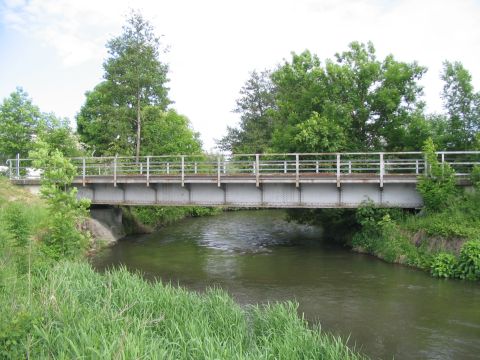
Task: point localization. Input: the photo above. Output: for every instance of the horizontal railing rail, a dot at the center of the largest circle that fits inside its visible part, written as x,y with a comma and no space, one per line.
338,165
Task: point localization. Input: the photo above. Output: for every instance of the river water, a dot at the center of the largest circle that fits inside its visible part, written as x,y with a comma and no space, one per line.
386,310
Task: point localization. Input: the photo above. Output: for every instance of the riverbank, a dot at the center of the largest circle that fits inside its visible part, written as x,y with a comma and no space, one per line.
445,243
64,309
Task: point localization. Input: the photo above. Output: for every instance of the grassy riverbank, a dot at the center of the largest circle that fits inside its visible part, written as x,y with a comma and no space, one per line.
64,309
445,243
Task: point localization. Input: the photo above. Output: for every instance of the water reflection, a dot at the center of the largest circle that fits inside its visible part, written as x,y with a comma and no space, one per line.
258,257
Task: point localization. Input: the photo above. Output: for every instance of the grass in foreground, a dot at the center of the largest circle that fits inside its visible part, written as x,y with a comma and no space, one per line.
74,312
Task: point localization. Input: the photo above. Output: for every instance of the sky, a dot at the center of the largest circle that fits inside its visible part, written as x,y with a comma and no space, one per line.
54,49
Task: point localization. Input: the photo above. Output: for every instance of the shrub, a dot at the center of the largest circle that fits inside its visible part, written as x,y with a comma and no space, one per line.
443,265
475,176
469,261
63,238
438,187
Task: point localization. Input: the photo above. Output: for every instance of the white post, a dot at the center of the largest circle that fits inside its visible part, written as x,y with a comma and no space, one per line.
195,168
257,169
18,166
297,170
148,170
338,170
83,172
316,166
382,169
350,166
218,171
416,167
285,167
183,170
115,171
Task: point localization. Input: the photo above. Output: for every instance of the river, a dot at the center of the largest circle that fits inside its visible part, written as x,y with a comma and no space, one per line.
386,310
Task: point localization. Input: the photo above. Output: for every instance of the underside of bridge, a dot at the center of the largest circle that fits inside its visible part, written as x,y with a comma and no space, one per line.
273,195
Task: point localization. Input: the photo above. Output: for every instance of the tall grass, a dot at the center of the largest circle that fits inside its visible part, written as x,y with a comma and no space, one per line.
78,313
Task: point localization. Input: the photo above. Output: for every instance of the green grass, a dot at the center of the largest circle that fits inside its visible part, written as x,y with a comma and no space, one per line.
75,312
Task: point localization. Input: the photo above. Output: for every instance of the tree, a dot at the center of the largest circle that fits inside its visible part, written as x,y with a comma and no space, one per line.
19,122
134,79
22,122
358,98
463,106
168,133
255,107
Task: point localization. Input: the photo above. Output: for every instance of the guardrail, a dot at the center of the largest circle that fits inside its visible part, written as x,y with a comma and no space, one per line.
379,164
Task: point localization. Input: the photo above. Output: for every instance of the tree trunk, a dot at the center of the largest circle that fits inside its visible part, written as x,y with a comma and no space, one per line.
139,130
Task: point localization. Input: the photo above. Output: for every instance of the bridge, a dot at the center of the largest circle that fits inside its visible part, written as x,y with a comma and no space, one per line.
307,180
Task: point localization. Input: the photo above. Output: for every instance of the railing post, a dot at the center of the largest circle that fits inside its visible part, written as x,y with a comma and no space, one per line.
338,170
18,166
285,167
416,167
349,166
115,171
297,170
168,168
382,169
218,171
148,170
195,168
257,169
83,171
183,170
224,167
316,166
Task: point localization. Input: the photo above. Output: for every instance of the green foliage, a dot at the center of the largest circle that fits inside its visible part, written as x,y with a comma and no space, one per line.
438,186
63,238
168,133
159,216
18,227
463,107
443,265
256,109
475,176
14,333
19,121
469,261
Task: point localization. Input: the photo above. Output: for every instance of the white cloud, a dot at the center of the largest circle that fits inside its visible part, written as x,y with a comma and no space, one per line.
214,44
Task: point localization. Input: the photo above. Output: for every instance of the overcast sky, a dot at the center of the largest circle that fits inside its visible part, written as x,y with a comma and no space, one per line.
54,49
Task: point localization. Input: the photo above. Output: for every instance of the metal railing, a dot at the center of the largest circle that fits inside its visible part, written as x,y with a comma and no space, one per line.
379,164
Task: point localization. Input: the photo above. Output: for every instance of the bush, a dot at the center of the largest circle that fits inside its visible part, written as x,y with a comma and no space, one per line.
469,261
443,265
475,176
438,187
